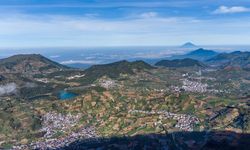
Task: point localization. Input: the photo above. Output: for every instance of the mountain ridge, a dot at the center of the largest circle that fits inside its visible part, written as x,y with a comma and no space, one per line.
233,59
32,63
177,63
198,54
113,70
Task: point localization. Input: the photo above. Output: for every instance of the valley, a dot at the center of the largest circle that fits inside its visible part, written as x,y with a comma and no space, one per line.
190,103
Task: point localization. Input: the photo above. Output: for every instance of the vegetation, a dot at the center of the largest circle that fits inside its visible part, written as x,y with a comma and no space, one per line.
187,62
111,110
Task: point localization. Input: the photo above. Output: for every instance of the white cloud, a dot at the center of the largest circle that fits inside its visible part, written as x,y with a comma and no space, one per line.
230,10
20,30
91,15
8,88
148,15
28,30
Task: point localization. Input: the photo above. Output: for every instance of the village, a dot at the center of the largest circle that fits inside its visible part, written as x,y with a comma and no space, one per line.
57,143
184,122
57,121
193,86
107,82
54,123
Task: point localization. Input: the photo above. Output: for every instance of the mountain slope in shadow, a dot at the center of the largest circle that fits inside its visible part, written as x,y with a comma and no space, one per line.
224,140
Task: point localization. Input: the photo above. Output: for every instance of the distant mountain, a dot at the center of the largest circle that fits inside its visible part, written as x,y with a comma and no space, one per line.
188,45
199,54
187,62
202,52
234,59
29,63
113,70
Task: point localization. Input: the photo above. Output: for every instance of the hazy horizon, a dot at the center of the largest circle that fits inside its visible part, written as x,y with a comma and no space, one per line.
84,57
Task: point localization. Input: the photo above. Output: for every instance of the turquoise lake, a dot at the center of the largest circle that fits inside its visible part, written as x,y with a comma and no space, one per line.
63,95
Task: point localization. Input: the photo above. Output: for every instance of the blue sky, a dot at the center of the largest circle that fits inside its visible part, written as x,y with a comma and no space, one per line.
87,23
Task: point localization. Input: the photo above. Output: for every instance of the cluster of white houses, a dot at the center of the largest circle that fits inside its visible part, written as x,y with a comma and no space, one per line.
184,122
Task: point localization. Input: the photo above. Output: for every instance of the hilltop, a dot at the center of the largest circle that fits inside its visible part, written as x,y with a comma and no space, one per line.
113,70
187,62
199,54
202,52
29,63
188,45
27,76
234,59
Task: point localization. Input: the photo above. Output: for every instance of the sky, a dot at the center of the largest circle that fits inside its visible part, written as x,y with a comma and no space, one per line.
97,23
